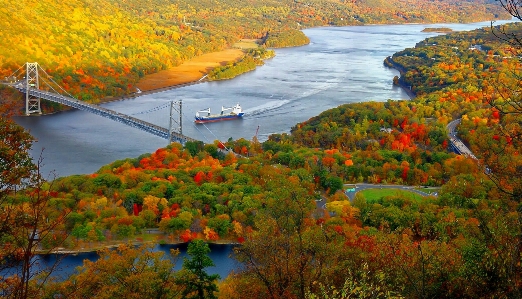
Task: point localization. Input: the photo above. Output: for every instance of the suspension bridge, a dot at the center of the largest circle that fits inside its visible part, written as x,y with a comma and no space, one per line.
28,80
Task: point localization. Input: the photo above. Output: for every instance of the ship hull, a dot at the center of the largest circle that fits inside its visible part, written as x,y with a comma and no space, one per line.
216,118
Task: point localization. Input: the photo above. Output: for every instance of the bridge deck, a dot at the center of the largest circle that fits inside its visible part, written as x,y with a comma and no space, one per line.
107,113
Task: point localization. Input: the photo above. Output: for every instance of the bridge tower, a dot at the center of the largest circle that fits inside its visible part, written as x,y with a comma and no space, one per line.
175,125
32,103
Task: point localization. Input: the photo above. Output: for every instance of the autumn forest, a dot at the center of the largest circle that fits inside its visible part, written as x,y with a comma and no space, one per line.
463,241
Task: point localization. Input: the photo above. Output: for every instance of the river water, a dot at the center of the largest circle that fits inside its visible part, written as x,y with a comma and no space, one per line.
341,65
221,254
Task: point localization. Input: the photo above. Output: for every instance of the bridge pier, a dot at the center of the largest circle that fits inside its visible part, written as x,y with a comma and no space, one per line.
32,103
172,121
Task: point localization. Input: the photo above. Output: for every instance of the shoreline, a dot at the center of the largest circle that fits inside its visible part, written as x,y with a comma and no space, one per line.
191,72
64,251
388,62
210,65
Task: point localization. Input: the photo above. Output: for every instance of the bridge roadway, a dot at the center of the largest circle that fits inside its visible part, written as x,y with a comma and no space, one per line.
107,113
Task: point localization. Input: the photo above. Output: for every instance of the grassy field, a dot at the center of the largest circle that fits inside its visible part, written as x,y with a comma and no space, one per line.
247,44
374,194
193,69
189,71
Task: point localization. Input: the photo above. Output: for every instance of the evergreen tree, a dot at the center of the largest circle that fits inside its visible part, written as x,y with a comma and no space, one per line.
198,283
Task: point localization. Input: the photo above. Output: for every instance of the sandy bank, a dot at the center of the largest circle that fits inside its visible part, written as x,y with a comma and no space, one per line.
190,71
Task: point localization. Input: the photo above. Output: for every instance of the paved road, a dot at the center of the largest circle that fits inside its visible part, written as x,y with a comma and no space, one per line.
456,142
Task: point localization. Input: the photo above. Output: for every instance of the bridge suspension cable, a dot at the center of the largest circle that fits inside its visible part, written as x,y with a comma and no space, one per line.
33,95
166,105
51,79
14,74
163,106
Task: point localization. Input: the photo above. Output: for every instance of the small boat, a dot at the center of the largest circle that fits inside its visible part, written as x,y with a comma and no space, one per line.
236,112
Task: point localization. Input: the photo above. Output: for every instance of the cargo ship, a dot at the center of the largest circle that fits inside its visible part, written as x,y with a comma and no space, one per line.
204,116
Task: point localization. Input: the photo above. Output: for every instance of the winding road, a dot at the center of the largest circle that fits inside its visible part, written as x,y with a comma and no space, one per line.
457,144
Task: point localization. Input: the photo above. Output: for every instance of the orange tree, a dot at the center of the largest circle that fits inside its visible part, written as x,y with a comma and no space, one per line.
27,221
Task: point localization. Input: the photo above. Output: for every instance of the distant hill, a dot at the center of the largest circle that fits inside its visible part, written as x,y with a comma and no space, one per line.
100,48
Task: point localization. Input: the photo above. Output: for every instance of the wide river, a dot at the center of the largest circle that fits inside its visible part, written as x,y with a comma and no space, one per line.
340,65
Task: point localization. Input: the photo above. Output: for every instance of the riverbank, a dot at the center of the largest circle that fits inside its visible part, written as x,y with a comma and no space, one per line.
142,239
388,61
190,72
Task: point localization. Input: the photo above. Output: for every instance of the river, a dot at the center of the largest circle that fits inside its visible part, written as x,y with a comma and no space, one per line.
221,254
340,65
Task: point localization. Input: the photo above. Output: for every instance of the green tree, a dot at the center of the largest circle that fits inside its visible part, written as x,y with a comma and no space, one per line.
198,284
194,147
174,225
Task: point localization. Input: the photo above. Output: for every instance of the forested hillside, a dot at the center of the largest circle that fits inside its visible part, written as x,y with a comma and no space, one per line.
101,48
282,201
474,76
267,203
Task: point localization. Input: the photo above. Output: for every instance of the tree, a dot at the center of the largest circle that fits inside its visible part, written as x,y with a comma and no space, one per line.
174,225
286,252
27,222
363,287
197,283
125,272
16,164
26,219
501,155
506,100
194,147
